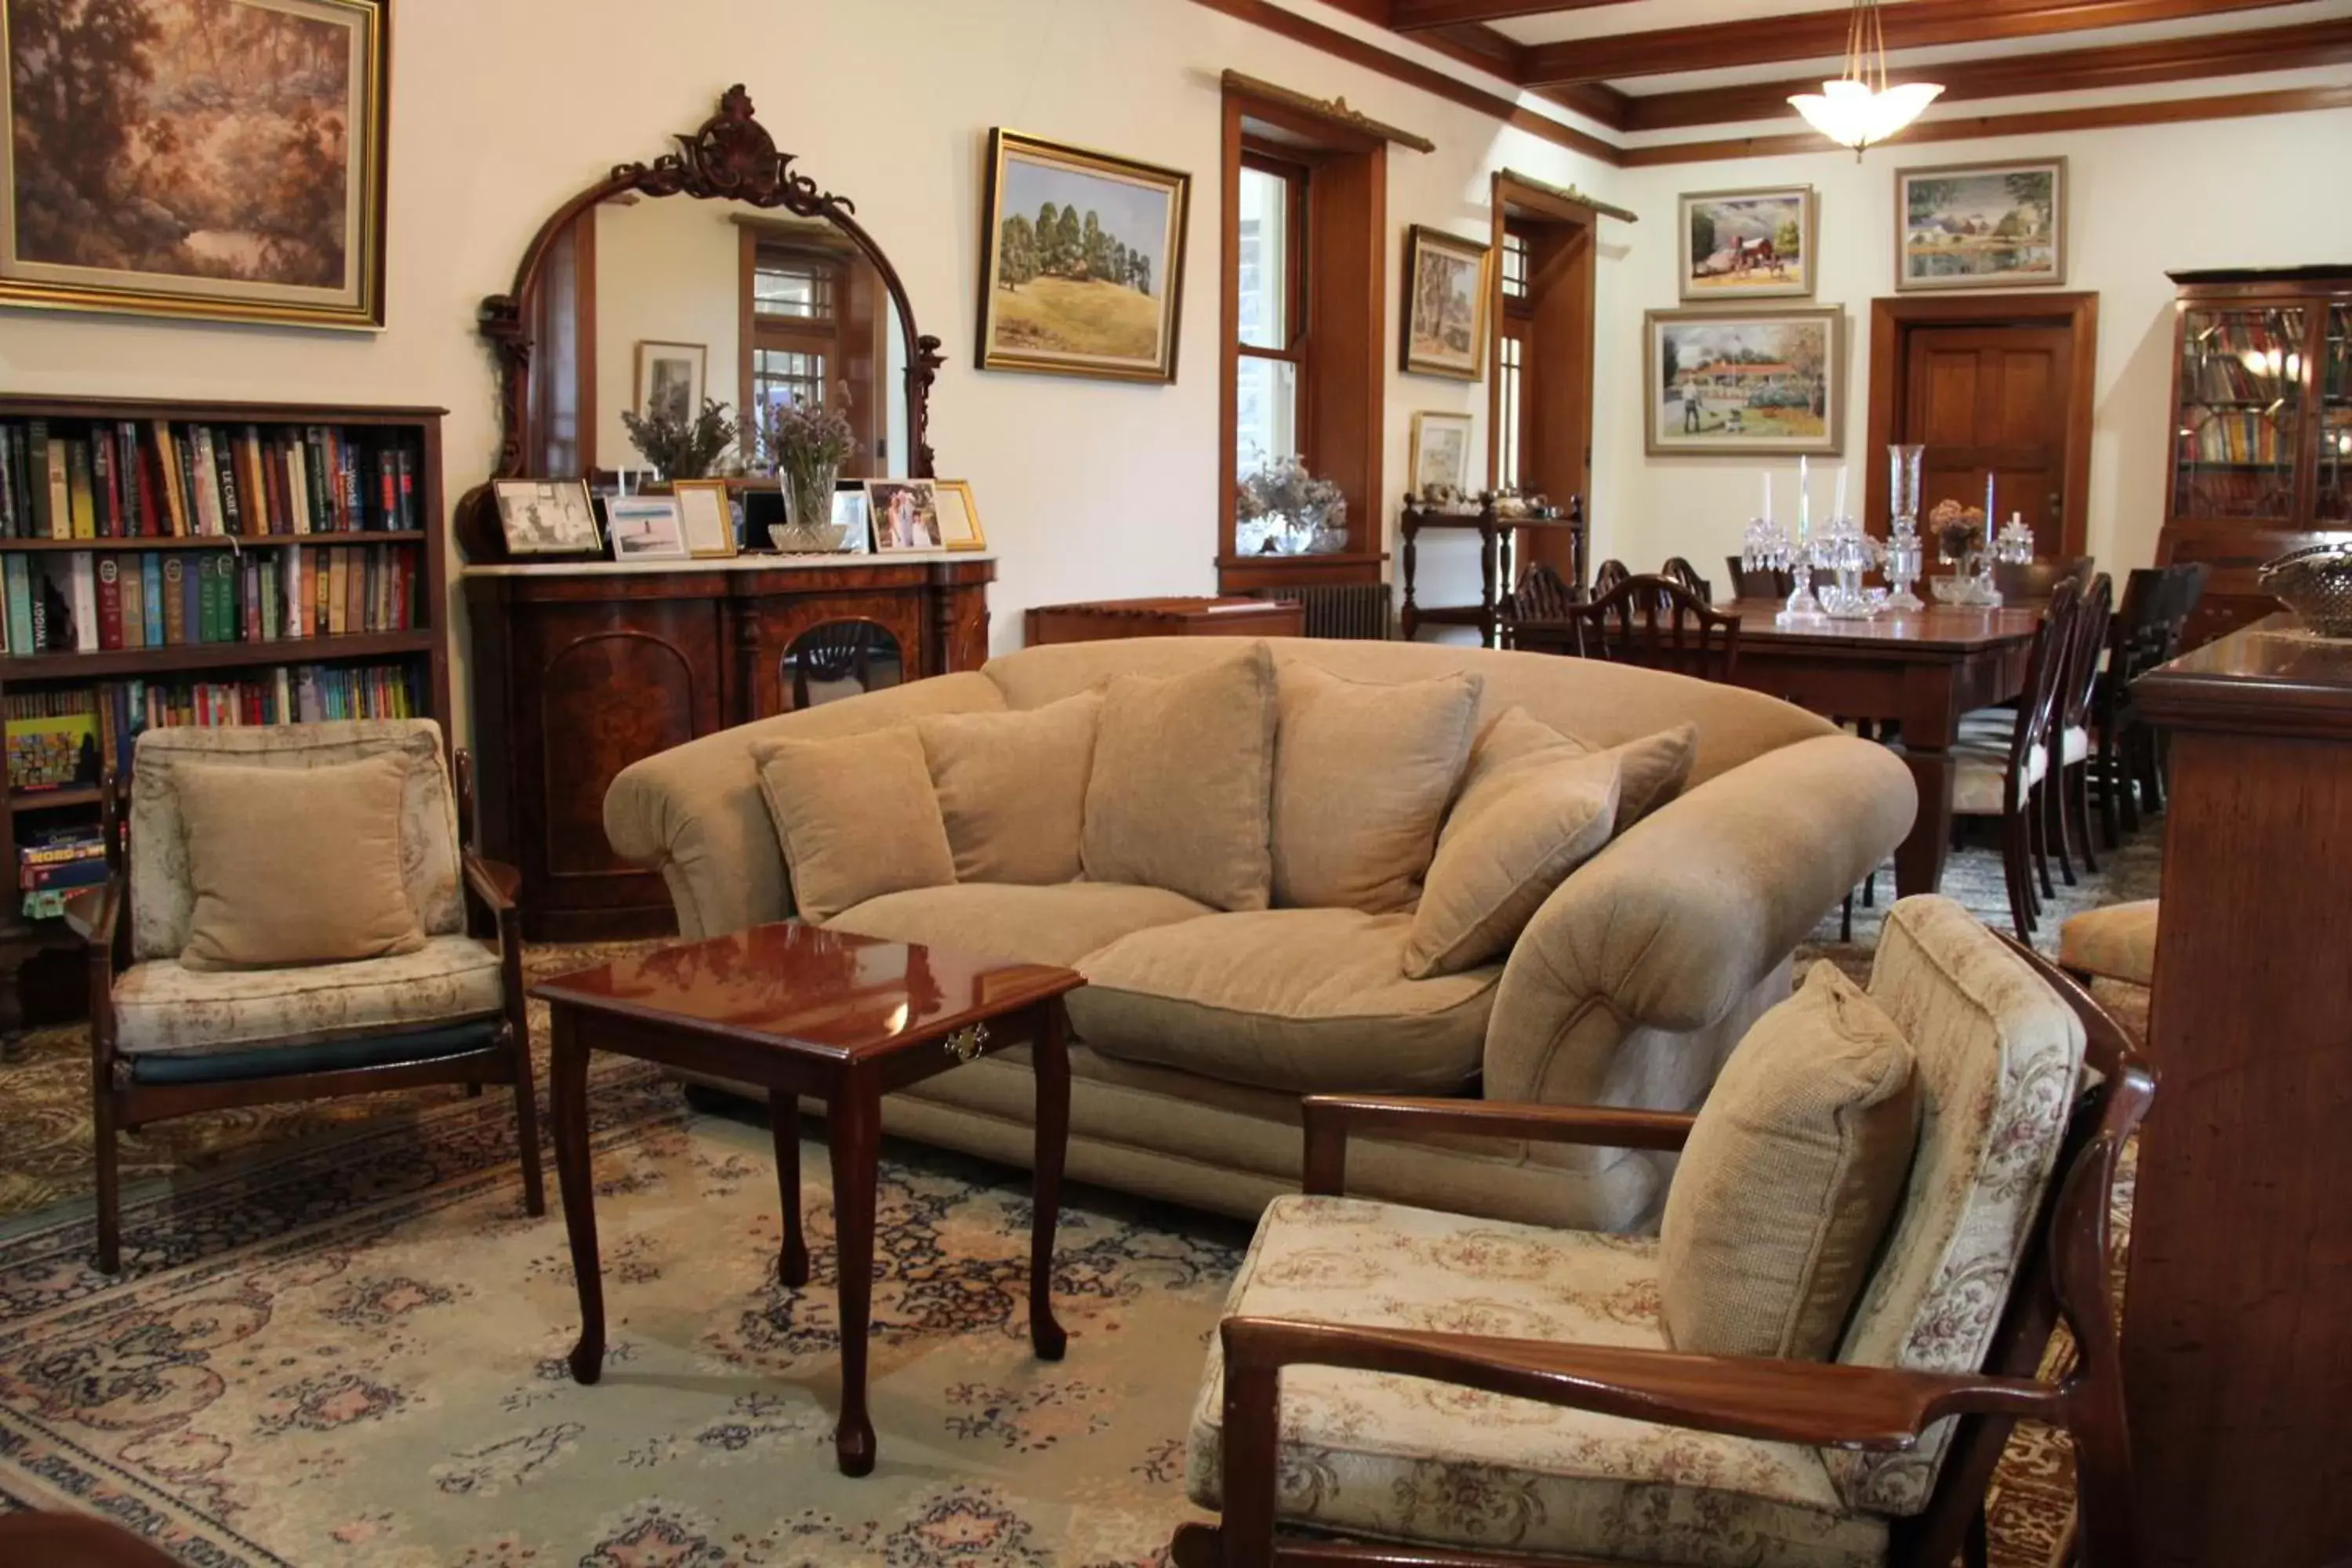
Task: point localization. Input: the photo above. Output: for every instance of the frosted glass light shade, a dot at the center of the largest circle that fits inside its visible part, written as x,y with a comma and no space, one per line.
1850,114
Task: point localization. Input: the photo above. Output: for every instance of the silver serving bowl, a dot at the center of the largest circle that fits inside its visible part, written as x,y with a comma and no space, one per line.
2315,583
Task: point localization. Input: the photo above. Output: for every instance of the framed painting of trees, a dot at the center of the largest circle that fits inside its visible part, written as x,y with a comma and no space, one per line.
1082,261
1981,225
219,159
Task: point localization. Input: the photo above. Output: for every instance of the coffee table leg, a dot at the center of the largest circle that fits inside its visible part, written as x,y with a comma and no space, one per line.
1050,1057
784,1116
568,1090
853,1129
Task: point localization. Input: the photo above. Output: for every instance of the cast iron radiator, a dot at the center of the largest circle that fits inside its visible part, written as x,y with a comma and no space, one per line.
1359,610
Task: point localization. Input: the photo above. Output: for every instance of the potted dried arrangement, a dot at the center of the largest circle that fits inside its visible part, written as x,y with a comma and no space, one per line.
678,447
808,443
1283,509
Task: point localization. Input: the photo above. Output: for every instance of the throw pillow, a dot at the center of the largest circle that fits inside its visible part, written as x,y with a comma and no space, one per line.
1012,787
295,865
1183,773
1362,775
1653,770
856,816
1790,1175
1504,852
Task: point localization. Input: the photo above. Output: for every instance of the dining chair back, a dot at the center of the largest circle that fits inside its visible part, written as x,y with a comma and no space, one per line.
1682,572
1610,573
1657,623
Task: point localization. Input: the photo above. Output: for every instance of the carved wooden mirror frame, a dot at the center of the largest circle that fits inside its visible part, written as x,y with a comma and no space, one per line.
731,158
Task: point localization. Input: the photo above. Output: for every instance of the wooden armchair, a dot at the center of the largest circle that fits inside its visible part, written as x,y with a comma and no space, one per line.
168,1041
1409,1419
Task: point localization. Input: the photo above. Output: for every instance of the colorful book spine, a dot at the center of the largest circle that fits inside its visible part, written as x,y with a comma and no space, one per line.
110,602
78,483
150,597
57,493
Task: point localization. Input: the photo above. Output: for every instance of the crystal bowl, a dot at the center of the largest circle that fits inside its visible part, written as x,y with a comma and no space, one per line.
2317,584
807,538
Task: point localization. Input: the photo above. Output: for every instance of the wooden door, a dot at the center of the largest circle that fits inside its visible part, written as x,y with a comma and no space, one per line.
1994,400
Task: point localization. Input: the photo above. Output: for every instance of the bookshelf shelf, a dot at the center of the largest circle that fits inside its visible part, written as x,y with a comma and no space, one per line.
53,799
150,661
222,540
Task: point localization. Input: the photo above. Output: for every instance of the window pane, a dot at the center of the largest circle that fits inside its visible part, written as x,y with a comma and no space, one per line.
780,376
1266,412
1507,421
784,285
1515,266
1265,259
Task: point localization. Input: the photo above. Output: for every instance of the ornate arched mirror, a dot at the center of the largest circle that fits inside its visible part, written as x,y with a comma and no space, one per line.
757,289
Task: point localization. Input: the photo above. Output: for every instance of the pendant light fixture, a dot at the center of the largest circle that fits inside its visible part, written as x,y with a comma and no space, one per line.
1859,109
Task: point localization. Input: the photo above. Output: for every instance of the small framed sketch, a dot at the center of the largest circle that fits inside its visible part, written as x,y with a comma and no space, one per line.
1748,245
1445,304
959,516
1733,382
548,516
670,379
645,528
906,513
1441,451
706,515
1981,225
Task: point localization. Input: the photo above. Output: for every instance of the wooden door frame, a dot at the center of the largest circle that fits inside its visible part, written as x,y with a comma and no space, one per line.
1510,196
1893,319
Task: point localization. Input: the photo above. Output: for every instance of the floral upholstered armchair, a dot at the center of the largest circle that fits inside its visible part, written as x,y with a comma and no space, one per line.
1467,1387
169,1038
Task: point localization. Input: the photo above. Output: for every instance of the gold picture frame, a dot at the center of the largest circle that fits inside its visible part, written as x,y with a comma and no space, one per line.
1764,382
1949,217
959,516
1764,258
1444,299
705,517
151,227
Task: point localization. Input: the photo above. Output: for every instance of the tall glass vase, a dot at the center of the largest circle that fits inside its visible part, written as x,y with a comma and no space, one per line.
808,504
1905,556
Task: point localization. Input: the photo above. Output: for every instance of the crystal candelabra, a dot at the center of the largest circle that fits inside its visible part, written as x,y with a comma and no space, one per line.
1907,558
1845,550
2013,546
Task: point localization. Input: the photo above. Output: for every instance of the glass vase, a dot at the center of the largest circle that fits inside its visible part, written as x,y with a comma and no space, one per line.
808,508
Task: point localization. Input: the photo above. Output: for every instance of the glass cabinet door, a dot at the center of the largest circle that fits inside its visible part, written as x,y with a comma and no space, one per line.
2242,401
2332,495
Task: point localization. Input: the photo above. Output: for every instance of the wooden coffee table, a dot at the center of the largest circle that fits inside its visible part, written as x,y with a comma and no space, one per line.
847,1019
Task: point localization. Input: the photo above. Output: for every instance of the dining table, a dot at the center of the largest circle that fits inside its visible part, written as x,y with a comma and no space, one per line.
1920,671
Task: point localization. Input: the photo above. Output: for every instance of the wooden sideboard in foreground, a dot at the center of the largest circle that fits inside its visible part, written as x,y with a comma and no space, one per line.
2237,1334
580,670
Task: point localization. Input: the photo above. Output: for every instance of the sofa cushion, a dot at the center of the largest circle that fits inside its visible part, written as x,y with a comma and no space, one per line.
162,1006
1059,923
1180,789
1362,775
1791,1172
856,817
1304,1000
1999,1055
1508,844
1374,1454
1651,770
295,865
2118,941
1012,787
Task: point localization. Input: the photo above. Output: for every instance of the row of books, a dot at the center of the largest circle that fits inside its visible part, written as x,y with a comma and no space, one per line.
85,601
141,479
74,737
55,862
2246,437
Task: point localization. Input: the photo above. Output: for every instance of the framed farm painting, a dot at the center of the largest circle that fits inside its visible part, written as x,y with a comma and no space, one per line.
1081,261
1748,245
218,160
1981,225
1445,304
1721,384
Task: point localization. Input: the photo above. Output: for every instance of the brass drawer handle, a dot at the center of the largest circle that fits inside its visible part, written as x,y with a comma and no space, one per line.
968,1042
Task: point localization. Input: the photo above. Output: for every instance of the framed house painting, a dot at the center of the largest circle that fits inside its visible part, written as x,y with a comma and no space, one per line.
670,379
1748,245
1744,384
1441,452
1445,304
216,160
1081,261
1981,225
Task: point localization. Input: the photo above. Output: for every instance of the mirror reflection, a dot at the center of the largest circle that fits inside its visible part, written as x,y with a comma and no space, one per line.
840,658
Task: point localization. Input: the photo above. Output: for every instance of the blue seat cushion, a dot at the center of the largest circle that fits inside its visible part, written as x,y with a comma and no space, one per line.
316,1056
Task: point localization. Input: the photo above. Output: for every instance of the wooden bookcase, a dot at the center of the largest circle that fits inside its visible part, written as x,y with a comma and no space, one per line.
2259,461
419,651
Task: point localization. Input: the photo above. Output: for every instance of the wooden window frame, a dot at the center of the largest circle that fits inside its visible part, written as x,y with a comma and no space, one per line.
1298,180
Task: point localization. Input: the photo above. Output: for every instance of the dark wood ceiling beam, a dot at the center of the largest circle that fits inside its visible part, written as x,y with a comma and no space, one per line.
2068,70
1415,16
1815,35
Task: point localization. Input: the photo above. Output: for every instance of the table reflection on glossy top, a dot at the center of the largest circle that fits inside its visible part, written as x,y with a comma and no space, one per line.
1938,625
825,990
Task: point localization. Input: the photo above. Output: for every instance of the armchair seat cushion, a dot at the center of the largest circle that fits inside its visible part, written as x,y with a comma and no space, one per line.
1374,1454
162,1008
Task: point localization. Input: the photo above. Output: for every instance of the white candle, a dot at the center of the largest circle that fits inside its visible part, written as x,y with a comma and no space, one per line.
1804,496
1840,512
1988,511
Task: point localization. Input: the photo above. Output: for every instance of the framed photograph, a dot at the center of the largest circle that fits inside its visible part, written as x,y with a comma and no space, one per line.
547,517
1081,261
1441,451
1748,245
645,528
1445,304
906,513
670,378
1981,225
1745,383
959,516
852,514
706,515
219,159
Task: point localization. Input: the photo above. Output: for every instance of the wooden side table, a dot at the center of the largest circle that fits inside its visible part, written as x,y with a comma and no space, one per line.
845,1019
1173,616
1499,548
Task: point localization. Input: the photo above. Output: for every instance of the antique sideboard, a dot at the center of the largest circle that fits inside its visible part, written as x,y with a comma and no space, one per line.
580,669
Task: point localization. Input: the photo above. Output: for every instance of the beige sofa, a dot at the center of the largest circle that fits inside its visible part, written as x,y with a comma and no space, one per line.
1628,987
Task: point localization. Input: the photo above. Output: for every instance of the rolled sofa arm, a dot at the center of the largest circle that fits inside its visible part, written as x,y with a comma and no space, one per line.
1672,926
695,813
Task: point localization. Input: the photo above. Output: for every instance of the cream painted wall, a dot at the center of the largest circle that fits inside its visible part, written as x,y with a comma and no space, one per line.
2233,192
1089,490
666,272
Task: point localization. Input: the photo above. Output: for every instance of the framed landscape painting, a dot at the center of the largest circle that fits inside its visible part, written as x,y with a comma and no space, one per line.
1981,225
1082,261
1756,382
222,159
1748,245
1445,304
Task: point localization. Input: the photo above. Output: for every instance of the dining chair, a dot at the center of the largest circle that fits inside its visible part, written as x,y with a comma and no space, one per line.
1681,572
2003,774
1610,573
1656,624
2136,644
2070,737
1535,612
